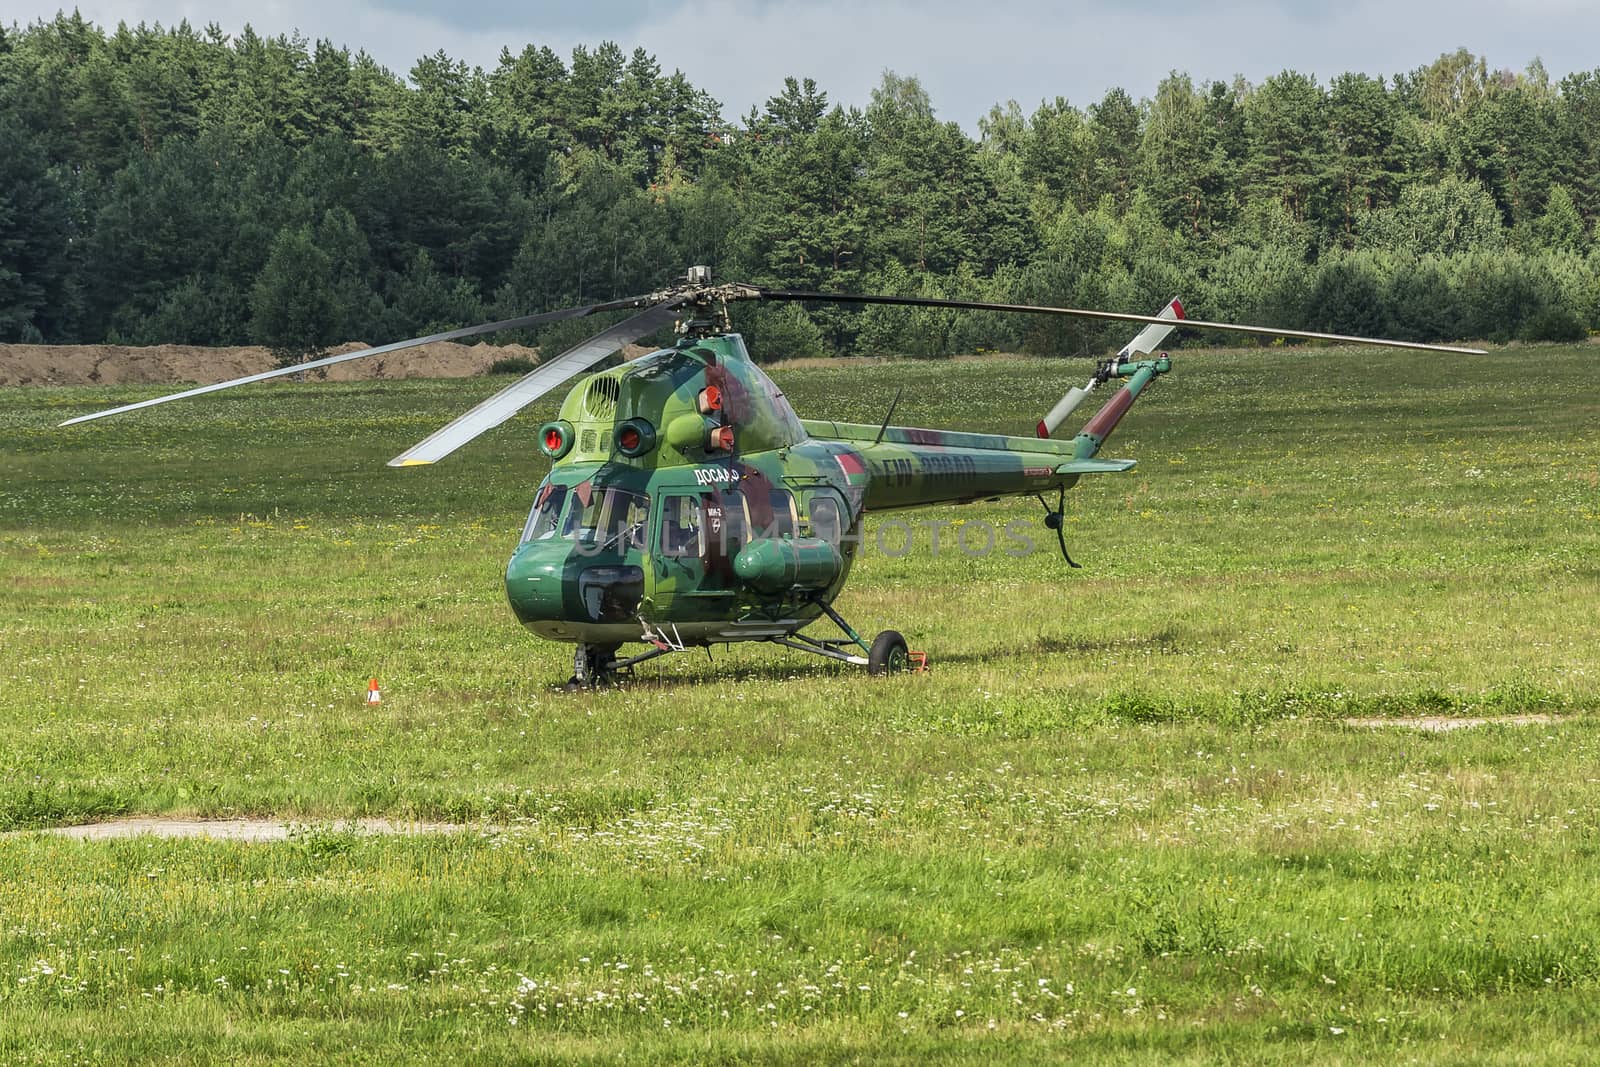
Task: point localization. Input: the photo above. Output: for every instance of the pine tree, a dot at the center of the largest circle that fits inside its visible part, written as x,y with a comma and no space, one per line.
1364,154
424,301
795,112
293,309
38,299
1058,156
1114,125
1288,141
446,108
1180,156
1560,227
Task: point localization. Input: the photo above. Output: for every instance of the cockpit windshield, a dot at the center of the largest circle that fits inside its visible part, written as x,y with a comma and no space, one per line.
595,518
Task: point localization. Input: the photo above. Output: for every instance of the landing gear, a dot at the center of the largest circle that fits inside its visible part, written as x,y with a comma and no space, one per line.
597,666
886,655
592,665
1054,520
889,654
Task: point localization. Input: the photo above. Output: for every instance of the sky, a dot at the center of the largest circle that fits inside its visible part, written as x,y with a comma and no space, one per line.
969,55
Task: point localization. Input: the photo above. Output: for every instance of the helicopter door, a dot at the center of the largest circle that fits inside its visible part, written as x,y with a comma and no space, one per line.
698,532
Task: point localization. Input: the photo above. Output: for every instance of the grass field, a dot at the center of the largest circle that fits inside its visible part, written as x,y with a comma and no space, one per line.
1120,821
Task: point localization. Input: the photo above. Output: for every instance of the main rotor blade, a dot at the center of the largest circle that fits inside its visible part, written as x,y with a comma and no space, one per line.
362,353
545,377
1112,316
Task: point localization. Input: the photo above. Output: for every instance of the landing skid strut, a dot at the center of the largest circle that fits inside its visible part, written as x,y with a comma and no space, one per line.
829,647
886,655
597,665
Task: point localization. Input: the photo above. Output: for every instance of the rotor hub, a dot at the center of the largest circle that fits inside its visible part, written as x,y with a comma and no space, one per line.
705,306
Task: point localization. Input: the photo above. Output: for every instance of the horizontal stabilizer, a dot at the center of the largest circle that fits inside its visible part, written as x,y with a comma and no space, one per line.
1096,466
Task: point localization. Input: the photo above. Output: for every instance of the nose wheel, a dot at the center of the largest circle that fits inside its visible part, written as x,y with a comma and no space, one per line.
592,666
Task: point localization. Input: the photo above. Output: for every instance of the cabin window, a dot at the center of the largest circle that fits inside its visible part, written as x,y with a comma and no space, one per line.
772,513
727,522
606,518
635,521
822,518
680,526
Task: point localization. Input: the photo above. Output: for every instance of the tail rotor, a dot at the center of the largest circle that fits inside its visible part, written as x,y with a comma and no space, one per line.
1146,342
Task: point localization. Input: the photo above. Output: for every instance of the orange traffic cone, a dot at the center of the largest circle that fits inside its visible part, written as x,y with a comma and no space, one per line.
374,696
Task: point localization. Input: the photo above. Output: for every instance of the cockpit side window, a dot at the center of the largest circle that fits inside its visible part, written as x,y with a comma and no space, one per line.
543,520
612,518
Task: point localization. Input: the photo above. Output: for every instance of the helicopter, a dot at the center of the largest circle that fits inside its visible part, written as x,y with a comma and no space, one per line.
688,504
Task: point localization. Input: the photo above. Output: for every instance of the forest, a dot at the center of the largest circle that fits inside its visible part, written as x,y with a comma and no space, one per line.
173,184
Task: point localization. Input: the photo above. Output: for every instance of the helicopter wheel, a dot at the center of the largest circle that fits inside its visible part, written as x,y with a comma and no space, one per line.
888,655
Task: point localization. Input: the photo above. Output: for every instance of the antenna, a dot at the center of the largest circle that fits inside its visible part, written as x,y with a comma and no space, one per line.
889,414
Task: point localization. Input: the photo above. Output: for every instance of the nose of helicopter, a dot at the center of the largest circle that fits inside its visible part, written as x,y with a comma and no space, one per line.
534,580
558,581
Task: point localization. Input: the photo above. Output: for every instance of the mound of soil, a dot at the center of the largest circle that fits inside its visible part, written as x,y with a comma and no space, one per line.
169,364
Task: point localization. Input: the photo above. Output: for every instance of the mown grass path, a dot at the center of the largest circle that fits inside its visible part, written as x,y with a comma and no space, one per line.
1120,821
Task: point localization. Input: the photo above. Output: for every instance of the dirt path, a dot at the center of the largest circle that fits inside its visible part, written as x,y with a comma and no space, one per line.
239,829
1443,723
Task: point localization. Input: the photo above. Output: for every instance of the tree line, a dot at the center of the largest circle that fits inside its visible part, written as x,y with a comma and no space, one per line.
191,186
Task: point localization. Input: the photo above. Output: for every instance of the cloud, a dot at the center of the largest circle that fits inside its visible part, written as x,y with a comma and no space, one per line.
968,56
592,20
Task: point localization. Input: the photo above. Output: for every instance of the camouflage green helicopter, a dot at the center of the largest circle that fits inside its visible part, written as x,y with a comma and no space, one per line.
688,505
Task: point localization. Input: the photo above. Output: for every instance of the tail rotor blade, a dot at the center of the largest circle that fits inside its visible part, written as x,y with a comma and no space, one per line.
1151,336
1063,409
545,377
1146,342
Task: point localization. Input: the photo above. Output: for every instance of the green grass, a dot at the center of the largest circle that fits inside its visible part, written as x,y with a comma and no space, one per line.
1120,821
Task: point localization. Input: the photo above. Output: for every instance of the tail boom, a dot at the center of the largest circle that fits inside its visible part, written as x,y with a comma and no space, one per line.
909,467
